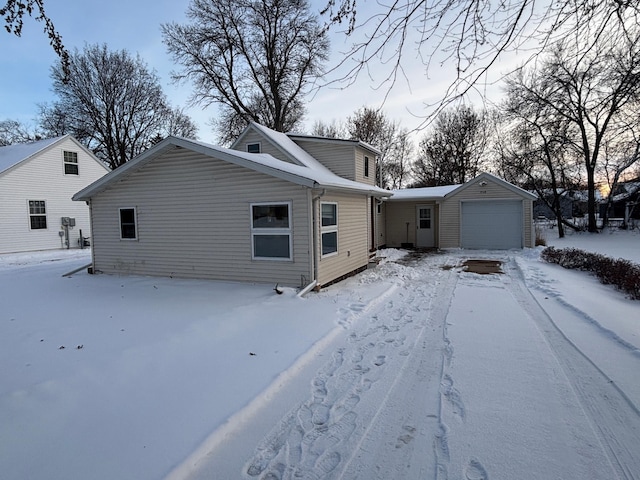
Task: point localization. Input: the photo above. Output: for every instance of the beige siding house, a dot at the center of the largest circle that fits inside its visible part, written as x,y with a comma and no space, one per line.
37,181
189,209
281,208
484,213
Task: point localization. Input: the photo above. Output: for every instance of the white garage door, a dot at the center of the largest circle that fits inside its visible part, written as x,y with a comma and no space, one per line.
493,224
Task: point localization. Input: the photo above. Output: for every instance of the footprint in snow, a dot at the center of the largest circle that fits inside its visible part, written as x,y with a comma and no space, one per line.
475,471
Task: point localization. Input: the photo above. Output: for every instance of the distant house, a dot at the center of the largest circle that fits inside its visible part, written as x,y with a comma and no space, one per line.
625,202
483,213
281,208
266,212
37,181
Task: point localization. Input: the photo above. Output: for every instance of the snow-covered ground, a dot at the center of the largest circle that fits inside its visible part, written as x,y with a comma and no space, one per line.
415,369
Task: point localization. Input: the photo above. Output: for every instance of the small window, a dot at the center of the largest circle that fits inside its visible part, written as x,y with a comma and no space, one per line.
379,208
366,166
253,147
128,229
37,214
70,163
271,231
425,218
329,228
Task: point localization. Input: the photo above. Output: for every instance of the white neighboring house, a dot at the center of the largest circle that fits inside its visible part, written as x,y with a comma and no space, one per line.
37,181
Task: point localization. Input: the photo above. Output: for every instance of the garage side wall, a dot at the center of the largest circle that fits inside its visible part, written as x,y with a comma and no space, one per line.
450,211
193,221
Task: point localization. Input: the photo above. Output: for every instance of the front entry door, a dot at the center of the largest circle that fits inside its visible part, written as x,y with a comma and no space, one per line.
424,223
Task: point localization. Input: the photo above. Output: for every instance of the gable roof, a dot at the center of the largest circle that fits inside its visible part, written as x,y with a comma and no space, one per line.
259,162
425,193
492,178
439,193
13,155
284,144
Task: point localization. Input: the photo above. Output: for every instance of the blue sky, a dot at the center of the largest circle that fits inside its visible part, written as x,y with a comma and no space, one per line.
135,26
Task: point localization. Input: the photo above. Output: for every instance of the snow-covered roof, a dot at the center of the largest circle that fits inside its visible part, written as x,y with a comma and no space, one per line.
437,193
423,193
315,138
287,146
311,177
13,154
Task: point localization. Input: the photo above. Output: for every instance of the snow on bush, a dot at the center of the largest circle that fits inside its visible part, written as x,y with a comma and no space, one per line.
621,273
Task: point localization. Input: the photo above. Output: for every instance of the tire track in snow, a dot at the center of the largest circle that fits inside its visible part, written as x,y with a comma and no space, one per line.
614,418
352,402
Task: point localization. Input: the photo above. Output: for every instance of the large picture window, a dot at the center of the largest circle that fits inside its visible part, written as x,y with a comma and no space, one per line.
128,225
37,214
271,231
70,163
329,228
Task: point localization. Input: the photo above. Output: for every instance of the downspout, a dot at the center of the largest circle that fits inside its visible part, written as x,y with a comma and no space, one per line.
314,243
92,268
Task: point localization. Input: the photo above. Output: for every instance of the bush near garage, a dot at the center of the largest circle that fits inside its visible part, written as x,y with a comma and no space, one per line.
621,273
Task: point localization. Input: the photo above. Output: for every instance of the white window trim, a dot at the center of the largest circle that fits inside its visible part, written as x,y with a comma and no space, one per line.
329,229
135,223
272,231
46,219
65,163
254,143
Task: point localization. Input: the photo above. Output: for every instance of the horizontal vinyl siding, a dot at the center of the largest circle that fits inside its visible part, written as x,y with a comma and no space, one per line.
381,224
193,220
265,145
42,178
352,237
529,236
359,163
398,214
340,159
450,210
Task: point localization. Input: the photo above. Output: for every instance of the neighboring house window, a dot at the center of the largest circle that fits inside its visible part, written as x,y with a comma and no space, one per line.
379,208
70,163
37,214
329,228
253,147
366,166
128,227
271,231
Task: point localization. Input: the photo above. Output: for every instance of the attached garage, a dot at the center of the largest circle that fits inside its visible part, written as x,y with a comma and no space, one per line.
492,224
483,213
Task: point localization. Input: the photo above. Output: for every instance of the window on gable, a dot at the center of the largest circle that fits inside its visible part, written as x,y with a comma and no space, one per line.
128,226
37,214
329,228
253,147
366,166
271,236
70,163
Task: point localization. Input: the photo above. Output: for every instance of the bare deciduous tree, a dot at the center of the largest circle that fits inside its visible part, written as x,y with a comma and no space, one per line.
372,126
471,35
14,131
14,12
255,58
112,103
452,151
593,92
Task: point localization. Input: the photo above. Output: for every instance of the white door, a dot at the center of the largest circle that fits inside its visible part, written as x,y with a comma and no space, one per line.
496,224
424,224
